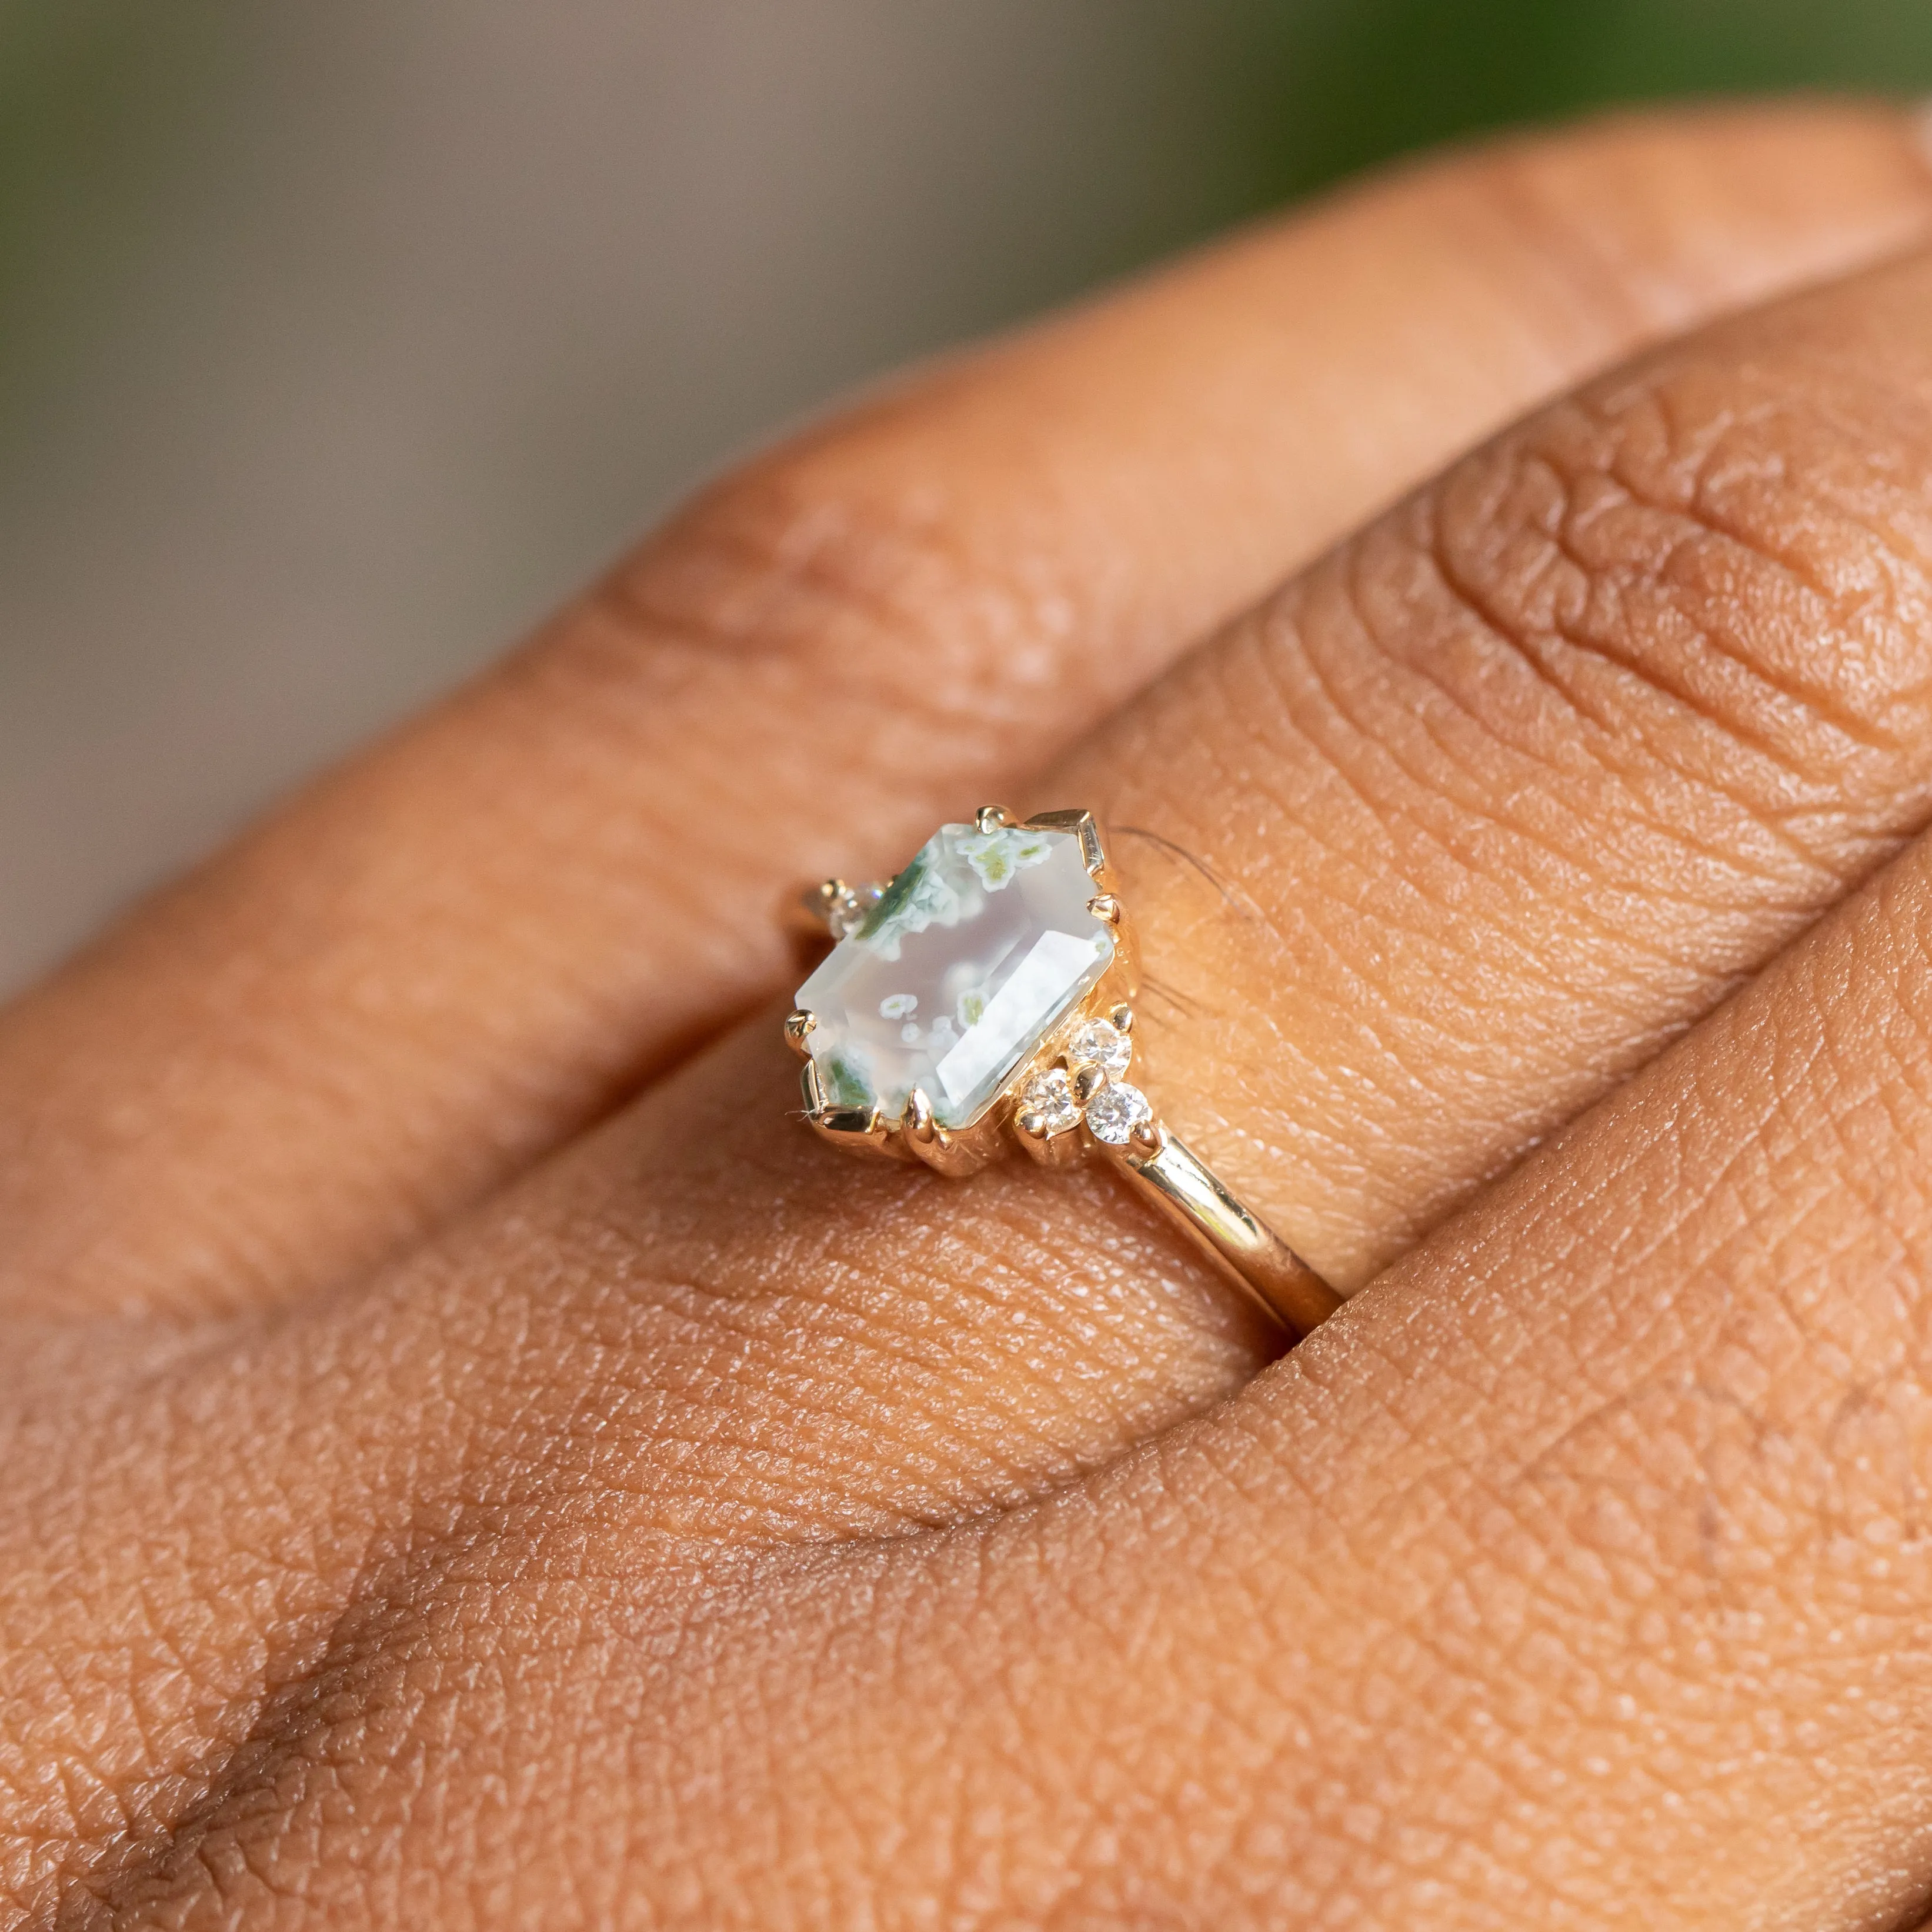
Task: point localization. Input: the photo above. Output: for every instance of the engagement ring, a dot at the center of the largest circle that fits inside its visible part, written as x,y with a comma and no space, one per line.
983,999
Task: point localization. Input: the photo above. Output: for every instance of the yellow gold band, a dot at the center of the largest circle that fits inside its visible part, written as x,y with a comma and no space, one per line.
1176,1181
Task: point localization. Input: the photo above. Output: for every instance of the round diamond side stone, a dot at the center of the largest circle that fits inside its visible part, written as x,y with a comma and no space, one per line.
851,909
1099,1043
1115,1111
1049,1096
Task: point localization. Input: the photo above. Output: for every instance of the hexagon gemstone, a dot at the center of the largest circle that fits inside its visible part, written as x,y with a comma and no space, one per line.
977,950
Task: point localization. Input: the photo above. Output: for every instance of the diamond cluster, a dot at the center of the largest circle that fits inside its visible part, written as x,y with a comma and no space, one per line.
1097,1052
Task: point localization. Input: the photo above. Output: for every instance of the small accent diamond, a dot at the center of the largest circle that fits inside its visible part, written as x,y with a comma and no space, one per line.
851,909
1115,1111
1099,1043
1050,1096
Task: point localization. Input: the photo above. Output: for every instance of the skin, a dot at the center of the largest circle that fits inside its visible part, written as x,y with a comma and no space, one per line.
474,1460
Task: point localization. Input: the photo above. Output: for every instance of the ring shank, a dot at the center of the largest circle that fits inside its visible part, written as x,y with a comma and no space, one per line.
1176,1181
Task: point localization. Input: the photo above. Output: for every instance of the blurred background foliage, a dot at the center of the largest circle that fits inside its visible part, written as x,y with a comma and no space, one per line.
336,341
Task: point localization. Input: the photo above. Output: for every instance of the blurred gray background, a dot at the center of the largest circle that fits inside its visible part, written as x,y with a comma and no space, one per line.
337,341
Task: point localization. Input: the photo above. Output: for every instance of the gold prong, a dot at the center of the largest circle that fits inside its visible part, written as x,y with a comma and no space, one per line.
1149,1138
809,1086
798,1025
1093,850
1087,1081
993,818
1104,905
1061,1150
853,1129
1123,1018
923,1134
918,1124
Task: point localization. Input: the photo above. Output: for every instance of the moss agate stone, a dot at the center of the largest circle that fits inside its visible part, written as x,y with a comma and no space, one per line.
974,954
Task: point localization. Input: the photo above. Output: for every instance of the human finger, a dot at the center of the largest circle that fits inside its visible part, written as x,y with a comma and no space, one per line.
702,1332
450,956
1575,1578
1457,832
882,1353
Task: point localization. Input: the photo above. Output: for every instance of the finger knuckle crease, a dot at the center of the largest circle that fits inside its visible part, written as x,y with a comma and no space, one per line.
1702,577
869,592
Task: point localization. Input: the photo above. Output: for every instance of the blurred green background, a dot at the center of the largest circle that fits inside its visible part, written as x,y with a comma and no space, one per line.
335,342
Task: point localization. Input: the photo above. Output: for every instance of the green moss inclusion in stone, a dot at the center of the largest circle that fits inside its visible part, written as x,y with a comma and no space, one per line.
975,952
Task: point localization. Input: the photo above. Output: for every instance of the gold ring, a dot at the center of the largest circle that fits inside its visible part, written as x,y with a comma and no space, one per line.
984,998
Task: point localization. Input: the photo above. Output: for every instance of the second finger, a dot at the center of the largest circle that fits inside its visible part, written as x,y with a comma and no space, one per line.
445,960
1447,837
1436,846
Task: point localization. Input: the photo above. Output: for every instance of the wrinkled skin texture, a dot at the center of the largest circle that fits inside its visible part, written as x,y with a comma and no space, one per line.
473,1460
